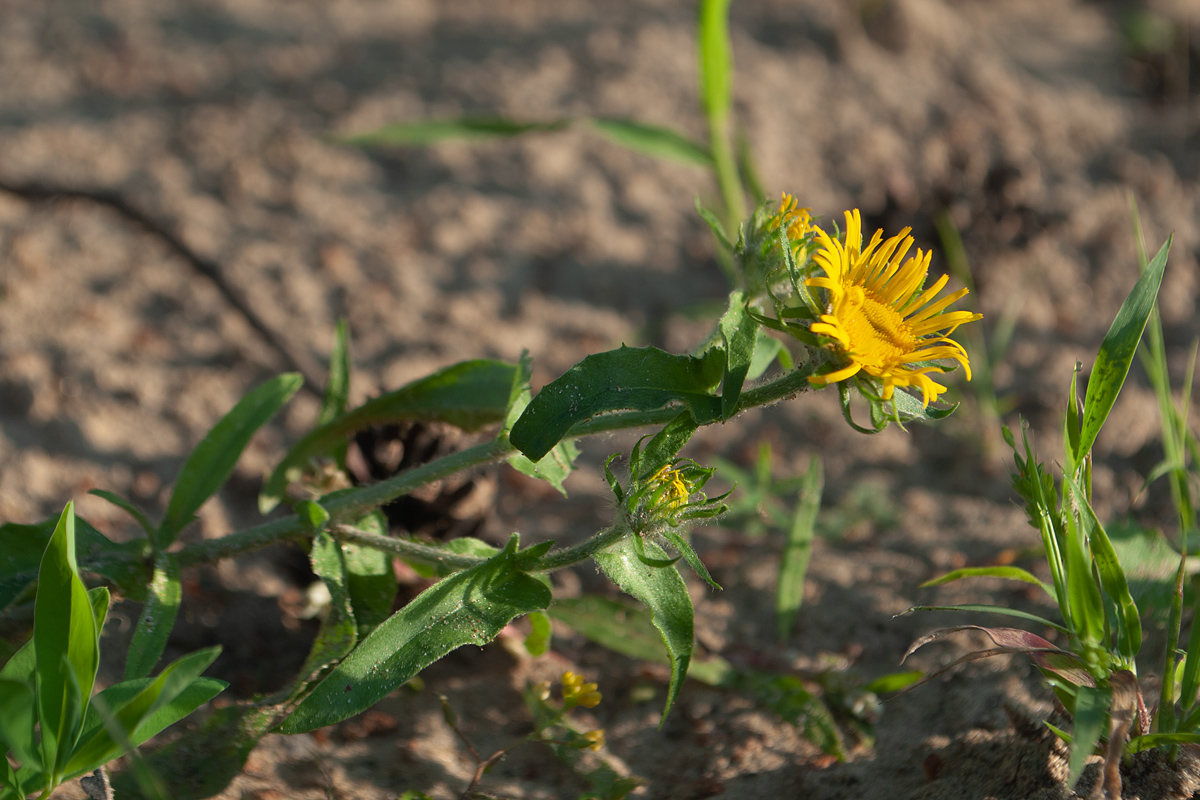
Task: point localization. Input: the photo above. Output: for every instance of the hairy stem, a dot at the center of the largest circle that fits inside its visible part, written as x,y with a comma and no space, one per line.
346,508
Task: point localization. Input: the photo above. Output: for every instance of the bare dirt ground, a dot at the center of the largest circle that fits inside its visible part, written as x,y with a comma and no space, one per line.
1029,122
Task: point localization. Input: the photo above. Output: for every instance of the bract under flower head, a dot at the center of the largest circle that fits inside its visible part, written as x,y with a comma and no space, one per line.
879,318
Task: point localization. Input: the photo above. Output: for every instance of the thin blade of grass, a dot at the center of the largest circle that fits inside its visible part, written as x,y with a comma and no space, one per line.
789,592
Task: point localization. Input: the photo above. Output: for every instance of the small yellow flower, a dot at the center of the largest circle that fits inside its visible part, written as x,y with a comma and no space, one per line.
794,220
677,491
878,317
596,738
577,693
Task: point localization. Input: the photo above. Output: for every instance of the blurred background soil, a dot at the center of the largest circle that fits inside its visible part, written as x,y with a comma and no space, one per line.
1026,123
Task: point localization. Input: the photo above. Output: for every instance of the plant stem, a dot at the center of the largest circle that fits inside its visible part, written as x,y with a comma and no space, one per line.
346,508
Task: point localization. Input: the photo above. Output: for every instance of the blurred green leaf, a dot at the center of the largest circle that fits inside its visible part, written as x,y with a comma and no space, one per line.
537,643
663,592
1091,722
793,567
430,131
653,140
17,704
157,620
643,378
1117,350
715,58
211,463
1002,610
467,395
1150,741
337,387
1086,605
766,350
894,681
129,508
469,607
619,626
793,703
65,642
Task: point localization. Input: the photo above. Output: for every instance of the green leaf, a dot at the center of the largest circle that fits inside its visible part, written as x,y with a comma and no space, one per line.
616,625
1191,670
559,463
689,555
664,446
787,697
739,332
370,578
1152,740
467,395
157,619
1006,573
101,746
129,508
537,643
431,131
469,607
1086,605
714,225
663,592
715,58
1008,612
894,681
1112,576
339,631
337,386
1117,350
211,463
17,706
1091,722
653,140
643,379
66,644
766,350
789,591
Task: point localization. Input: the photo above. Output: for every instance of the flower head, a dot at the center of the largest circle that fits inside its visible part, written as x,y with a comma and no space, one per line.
577,693
879,318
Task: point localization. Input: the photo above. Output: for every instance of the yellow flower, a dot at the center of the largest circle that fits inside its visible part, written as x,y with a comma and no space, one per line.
677,492
794,220
577,693
596,738
878,317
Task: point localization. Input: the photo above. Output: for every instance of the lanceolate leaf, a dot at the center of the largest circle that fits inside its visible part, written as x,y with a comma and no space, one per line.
65,642
337,389
1117,350
469,607
370,579
643,379
338,633
468,395
614,624
653,140
739,332
663,592
157,619
211,463
559,463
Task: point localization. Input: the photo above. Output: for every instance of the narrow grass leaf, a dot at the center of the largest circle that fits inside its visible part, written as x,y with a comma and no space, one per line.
1088,619
789,591
467,395
1191,670
1150,741
431,131
1002,610
157,619
65,641
663,592
1117,350
715,58
653,140
1091,722
642,379
337,385
1006,573
469,607
211,463
129,508
739,332
1112,576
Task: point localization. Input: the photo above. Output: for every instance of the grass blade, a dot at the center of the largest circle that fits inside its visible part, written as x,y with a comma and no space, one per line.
431,131
789,591
652,140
